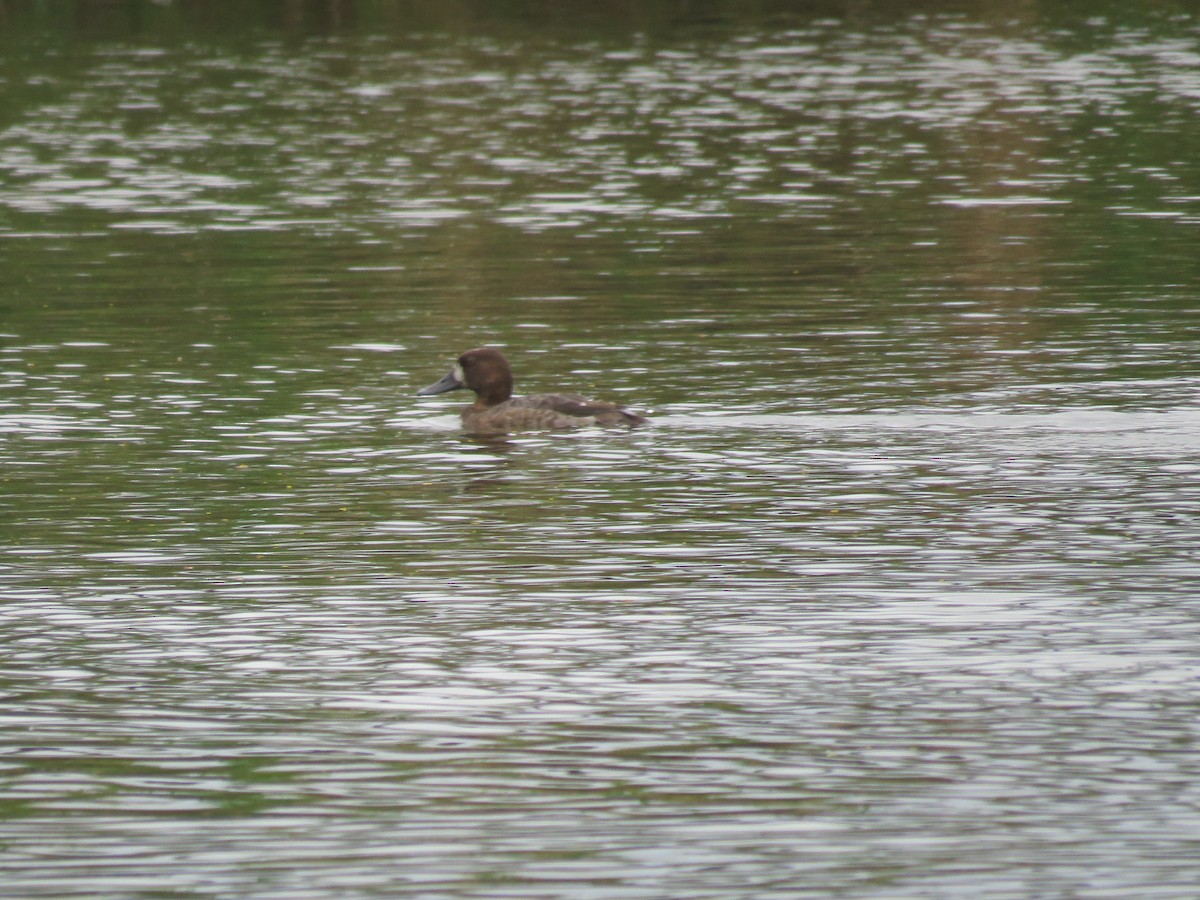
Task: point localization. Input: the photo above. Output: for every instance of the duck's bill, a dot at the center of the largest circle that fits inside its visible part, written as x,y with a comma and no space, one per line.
449,383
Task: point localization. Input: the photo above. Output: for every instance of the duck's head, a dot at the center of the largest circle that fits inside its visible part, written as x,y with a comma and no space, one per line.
484,370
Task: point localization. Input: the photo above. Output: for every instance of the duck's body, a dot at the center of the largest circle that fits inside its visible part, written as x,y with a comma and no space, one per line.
539,412
495,411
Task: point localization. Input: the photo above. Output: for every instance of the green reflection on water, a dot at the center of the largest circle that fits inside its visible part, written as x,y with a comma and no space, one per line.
243,567
759,211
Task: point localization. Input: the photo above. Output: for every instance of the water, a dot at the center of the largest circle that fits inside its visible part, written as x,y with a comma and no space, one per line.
897,596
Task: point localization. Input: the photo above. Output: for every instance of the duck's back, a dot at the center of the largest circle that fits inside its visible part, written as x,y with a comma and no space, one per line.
547,411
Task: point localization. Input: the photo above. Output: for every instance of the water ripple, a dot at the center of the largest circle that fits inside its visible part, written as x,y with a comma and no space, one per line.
895,596
677,134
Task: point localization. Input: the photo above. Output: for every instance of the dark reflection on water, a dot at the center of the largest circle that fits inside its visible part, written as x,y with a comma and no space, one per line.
894,598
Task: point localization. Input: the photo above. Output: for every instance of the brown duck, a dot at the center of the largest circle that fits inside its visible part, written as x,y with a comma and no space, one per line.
495,411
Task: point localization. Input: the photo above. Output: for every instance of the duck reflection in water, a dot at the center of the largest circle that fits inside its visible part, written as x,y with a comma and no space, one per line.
485,371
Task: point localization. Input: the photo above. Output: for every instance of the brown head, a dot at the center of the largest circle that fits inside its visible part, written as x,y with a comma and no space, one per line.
484,370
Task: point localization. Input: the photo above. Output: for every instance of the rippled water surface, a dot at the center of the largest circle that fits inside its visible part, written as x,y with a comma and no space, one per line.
898,596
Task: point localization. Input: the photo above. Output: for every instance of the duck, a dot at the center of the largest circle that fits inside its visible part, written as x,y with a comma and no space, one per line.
486,371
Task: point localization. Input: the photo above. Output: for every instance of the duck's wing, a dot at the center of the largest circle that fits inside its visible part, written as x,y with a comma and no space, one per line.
602,411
